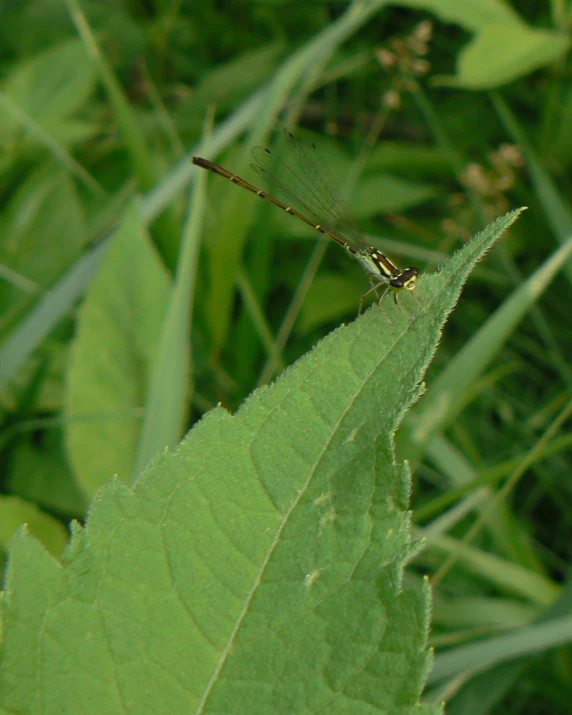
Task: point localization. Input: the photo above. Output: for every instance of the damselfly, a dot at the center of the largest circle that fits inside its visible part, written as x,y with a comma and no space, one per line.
314,200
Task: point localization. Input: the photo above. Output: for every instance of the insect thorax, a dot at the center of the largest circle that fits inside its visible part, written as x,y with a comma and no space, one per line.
377,264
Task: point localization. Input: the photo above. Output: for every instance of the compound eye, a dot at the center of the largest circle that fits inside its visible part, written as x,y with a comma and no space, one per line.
396,283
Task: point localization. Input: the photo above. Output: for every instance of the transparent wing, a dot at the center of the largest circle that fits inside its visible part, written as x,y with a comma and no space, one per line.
308,186
268,167
322,185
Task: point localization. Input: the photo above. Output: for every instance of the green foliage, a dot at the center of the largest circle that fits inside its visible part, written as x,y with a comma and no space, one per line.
123,321
111,358
504,47
223,576
50,88
15,511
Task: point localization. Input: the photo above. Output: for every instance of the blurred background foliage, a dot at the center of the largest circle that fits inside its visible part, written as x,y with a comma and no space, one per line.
133,299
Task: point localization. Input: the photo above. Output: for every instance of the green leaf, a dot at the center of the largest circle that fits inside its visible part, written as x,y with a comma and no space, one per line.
15,511
50,87
329,297
408,157
111,358
46,228
228,83
47,313
504,47
259,568
473,16
169,382
501,53
383,193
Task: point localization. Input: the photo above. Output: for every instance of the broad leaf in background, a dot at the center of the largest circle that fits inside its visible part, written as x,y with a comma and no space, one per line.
50,87
230,82
46,225
516,50
258,568
111,358
504,47
384,193
329,296
46,528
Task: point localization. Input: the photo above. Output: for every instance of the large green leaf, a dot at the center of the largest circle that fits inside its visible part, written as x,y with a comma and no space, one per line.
50,87
258,568
112,356
504,47
502,53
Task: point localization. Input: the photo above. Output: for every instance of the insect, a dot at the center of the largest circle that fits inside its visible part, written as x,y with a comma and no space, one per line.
315,201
